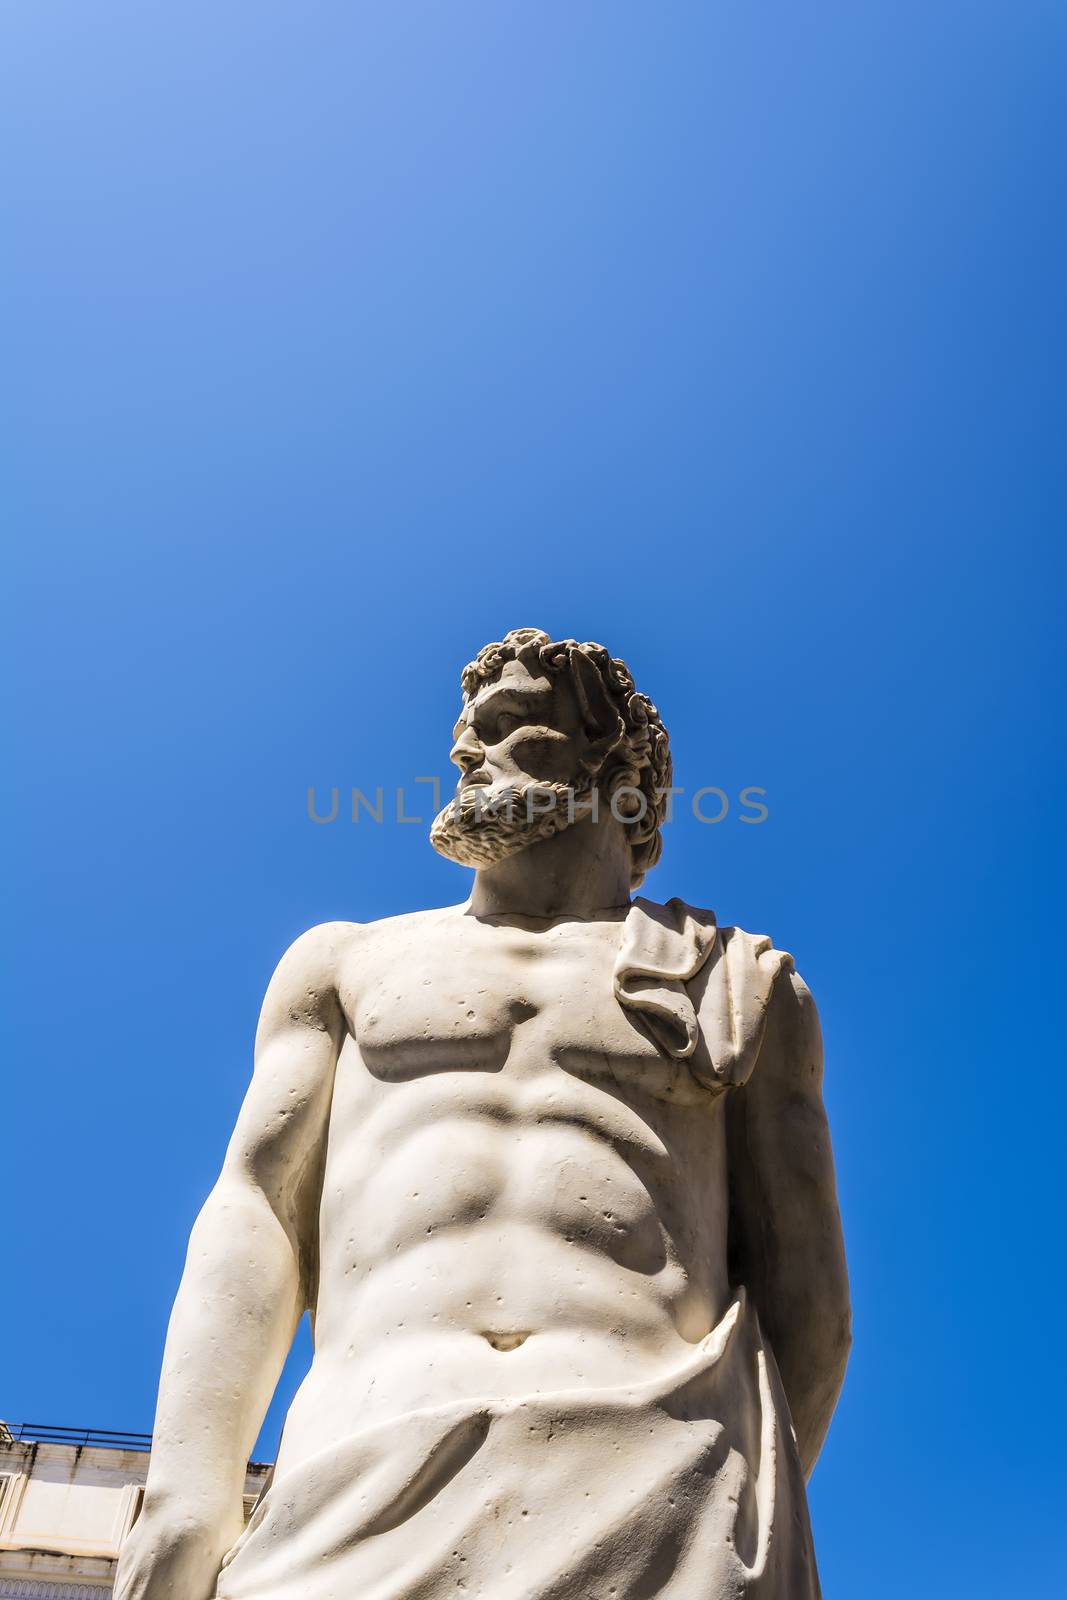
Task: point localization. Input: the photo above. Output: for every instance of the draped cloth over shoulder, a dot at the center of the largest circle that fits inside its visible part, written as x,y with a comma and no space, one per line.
665,950
686,1487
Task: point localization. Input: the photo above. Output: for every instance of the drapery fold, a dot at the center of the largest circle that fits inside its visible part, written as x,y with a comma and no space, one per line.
701,991
684,1487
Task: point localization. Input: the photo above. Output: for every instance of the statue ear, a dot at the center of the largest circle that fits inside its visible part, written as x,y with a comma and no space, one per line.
599,716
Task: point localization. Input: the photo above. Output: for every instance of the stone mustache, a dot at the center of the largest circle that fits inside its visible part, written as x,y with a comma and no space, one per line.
552,1172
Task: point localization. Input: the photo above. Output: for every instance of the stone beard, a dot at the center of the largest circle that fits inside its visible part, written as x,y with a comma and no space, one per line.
551,1170
481,827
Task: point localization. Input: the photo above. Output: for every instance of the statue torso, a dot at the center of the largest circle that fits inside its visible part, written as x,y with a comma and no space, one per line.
521,1192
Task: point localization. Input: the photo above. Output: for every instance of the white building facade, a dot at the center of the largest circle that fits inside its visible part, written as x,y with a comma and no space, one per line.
68,1498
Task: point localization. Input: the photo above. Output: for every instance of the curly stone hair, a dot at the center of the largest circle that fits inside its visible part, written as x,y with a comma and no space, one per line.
631,749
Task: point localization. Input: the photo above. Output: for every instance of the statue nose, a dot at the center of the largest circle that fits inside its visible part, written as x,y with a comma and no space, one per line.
468,752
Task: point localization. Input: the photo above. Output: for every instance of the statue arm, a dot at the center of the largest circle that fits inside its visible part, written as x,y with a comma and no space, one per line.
785,1231
247,1279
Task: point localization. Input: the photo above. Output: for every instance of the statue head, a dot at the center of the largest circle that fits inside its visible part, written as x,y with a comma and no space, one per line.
545,723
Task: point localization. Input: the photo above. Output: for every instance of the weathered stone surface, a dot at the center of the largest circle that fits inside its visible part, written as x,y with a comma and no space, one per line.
552,1171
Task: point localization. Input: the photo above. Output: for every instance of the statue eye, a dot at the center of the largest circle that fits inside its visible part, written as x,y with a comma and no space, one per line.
507,722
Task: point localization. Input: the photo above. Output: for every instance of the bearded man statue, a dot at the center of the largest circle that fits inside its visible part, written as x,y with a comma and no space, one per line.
551,1171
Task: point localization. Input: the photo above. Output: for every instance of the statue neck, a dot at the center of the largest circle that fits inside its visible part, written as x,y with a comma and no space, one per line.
583,870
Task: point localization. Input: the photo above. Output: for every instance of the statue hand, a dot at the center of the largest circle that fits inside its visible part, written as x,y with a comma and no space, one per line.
169,1555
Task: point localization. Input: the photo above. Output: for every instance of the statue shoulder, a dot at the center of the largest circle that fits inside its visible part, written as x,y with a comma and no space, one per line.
328,949
344,957
793,1050
316,955
745,983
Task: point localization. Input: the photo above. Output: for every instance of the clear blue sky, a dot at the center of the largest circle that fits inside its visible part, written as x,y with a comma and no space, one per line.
343,338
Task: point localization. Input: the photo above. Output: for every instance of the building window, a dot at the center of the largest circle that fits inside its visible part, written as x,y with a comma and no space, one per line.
10,1492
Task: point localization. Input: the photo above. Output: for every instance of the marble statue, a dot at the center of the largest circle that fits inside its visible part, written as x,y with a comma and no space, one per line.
552,1172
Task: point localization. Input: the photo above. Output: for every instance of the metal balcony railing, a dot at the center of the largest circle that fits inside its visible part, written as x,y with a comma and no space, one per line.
45,1433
